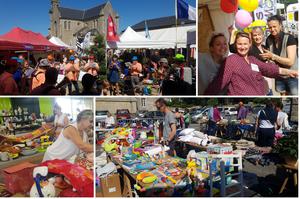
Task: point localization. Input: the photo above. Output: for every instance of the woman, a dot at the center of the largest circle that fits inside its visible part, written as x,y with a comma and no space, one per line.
72,139
113,75
60,120
283,51
242,74
257,48
209,63
266,121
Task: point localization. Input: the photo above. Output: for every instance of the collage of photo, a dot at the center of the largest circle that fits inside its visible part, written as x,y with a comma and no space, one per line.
172,98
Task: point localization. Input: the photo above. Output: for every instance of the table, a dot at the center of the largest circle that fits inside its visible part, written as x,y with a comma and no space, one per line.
130,177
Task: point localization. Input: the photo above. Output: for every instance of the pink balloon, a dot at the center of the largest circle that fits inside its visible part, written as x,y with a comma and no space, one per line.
243,19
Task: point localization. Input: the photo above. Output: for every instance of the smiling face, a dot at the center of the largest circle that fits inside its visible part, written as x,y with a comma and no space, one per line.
274,27
219,46
257,36
243,45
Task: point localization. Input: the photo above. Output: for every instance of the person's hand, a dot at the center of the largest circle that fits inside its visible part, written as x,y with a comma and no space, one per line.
230,29
267,54
293,73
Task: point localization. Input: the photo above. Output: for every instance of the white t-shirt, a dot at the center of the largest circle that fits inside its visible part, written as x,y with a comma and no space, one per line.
109,121
282,120
63,148
207,71
265,124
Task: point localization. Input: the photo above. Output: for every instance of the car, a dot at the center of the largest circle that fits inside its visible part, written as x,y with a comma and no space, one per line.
122,114
101,115
200,115
140,113
154,115
231,111
197,111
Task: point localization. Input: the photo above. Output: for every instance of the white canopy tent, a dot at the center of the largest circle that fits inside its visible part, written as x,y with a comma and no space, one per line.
59,42
132,40
175,35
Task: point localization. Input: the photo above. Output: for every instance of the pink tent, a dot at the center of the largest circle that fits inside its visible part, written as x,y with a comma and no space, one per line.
27,40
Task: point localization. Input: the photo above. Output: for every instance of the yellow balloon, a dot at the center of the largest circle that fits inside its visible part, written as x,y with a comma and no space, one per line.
248,5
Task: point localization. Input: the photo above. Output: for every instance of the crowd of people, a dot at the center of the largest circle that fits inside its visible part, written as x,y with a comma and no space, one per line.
137,73
271,121
253,61
131,73
26,76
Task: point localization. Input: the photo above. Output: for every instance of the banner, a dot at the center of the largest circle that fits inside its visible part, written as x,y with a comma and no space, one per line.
266,9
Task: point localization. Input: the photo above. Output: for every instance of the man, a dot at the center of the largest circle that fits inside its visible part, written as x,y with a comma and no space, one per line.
214,116
72,73
38,77
8,85
51,60
48,88
282,119
169,129
242,114
136,72
109,121
92,67
88,82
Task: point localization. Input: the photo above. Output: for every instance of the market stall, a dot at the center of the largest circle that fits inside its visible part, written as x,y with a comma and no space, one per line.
24,169
147,169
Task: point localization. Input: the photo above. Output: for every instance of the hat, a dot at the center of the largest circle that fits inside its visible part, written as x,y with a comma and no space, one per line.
72,58
134,58
179,57
44,63
8,62
163,60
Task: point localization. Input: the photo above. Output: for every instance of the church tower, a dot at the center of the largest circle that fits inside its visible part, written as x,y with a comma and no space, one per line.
54,19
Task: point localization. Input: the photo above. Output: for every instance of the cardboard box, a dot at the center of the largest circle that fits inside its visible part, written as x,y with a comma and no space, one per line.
19,178
110,186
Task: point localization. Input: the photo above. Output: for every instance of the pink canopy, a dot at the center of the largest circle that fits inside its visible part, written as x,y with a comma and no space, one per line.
19,39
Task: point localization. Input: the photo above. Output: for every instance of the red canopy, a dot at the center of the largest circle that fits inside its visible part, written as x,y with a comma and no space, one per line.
19,39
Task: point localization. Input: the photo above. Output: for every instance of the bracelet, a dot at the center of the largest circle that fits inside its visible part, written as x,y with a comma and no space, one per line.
273,57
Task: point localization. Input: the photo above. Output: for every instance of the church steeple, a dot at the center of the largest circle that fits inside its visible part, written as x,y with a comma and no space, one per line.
55,3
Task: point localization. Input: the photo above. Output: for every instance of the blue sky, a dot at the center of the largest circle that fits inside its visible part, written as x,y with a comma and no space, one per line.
33,14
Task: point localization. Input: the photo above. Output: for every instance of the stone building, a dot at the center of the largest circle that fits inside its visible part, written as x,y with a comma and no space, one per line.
69,24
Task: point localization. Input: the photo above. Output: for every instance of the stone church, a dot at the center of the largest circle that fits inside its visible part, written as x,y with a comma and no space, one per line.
69,24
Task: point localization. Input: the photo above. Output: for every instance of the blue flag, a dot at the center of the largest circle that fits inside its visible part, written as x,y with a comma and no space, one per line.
147,34
185,11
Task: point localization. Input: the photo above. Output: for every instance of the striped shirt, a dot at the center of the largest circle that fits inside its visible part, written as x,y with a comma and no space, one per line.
241,78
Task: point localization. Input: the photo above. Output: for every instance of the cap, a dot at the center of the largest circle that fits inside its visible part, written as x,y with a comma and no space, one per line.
44,63
163,60
179,57
134,58
72,58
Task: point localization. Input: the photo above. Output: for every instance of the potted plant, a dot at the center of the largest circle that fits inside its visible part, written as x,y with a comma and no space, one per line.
287,148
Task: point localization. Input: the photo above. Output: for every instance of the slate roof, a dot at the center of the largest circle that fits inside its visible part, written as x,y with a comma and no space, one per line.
81,15
163,22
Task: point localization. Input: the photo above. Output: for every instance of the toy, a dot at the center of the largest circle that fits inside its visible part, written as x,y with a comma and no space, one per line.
191,168
42,187
146,177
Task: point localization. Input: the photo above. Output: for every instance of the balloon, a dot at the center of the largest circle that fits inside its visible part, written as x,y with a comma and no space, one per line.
243,19
249,5
229,6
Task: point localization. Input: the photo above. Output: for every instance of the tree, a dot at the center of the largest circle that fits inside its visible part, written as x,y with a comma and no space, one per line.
99,51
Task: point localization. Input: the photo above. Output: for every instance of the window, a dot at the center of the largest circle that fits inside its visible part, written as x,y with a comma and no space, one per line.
143,102
69,25
65,25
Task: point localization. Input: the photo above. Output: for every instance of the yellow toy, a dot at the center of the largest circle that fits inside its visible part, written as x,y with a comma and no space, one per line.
191,168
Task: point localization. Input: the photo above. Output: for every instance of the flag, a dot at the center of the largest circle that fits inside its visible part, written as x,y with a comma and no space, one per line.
111,30
79,45
185,11
147,34
86,41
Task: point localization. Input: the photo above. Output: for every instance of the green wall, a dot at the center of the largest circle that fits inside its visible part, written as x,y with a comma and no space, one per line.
46,106
5,104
